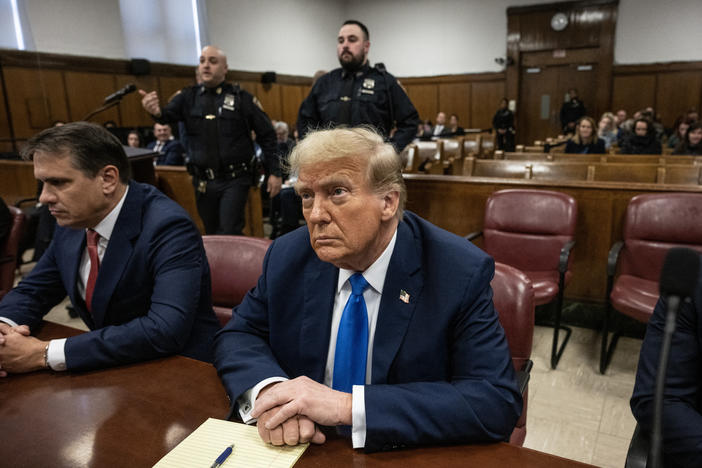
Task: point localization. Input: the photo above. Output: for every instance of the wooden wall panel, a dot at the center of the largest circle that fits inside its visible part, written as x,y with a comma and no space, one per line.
249,86
291,98
131,112
425,98
269,97
676,93
633,92
454,98
86,91
169,86
485,99
38,98
5,134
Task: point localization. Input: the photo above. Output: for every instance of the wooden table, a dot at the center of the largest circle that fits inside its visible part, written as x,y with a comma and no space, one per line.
133,415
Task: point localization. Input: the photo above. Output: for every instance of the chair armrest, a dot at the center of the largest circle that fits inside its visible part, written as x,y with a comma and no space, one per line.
613,258
474,235
637,456
522,380
565,256
18,203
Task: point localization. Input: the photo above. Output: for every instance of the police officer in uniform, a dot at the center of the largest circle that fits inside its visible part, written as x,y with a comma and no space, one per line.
219,118
358,94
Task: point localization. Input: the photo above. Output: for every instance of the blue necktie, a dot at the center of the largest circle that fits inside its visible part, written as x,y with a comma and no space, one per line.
352,340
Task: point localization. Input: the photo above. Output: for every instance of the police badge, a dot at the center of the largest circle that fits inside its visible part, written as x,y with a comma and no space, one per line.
228,102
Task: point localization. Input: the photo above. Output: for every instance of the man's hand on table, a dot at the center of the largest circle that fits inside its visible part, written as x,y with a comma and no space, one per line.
20,352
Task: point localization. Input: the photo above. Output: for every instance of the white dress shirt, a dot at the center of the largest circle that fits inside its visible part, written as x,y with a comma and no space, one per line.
56,355
375,276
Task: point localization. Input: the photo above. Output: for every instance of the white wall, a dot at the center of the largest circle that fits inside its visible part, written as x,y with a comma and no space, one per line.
651,31
412,37
289,37
78,27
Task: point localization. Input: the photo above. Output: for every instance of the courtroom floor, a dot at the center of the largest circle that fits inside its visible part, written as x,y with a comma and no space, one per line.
574,411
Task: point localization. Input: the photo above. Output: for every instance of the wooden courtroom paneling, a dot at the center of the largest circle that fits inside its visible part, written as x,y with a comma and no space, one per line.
484,100
131,112
38,98
677,92
269,97
454,98
17,181
425,98
633,92
5,133
168,86
291,98
86,91
457,204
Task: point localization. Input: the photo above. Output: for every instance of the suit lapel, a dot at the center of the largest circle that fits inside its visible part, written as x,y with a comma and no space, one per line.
118,253
320,279
403,281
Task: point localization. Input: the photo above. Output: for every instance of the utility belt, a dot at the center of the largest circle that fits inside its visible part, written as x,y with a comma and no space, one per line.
202,175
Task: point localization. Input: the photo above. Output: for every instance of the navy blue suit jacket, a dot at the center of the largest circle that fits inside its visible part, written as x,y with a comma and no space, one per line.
152,297
682,401
172,153
441,368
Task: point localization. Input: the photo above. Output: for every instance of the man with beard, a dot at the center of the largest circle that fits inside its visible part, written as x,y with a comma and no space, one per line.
357,93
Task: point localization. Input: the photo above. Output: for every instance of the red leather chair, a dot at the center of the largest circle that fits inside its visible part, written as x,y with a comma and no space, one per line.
236,263
653,224
9,251
534,231
513,297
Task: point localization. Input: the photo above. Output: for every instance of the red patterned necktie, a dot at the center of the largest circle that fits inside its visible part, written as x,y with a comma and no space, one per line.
92,241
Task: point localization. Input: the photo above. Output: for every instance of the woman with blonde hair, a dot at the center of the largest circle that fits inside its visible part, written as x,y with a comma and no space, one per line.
585,139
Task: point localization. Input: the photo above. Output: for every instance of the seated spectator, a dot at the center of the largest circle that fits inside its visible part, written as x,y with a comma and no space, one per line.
679,130
692,143
692,114
440,128
642,140
571,112
453,128
607,129
682,407
172,152
134,139
585,140
621,117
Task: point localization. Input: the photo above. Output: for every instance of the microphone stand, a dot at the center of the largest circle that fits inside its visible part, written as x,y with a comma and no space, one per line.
101,109
657,430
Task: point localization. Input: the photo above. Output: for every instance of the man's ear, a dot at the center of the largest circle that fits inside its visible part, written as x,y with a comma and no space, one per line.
110,178
391,203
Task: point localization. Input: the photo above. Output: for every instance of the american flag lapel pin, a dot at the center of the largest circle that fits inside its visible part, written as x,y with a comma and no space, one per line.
404,296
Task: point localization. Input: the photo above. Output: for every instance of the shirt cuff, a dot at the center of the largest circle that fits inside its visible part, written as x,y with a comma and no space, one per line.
11,323
247,400
358,416
56,355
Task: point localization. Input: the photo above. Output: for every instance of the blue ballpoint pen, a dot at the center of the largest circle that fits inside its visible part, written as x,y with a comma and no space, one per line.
220,459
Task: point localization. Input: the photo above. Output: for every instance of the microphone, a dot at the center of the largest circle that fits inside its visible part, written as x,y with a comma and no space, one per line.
678,281
116,96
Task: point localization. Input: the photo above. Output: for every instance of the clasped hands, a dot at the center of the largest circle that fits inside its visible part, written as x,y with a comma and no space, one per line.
288,412
19,352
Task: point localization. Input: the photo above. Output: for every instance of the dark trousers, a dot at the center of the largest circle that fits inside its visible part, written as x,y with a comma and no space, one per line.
221,207
505,141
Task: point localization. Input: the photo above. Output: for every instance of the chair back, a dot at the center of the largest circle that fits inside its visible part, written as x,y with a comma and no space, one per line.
236,263
9,250
527,228
513,297
653,224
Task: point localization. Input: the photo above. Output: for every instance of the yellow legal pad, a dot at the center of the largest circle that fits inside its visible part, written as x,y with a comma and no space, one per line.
203,446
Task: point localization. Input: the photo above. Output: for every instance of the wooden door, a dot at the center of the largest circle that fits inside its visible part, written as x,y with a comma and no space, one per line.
543,92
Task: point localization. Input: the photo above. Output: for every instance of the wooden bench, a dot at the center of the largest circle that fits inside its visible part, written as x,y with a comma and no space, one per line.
457,204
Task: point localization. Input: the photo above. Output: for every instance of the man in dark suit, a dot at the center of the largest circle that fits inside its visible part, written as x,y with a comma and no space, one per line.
417,357
129,258
171,151
682,400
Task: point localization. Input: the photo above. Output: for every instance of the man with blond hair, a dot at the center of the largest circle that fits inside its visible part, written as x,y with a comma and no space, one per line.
369,318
